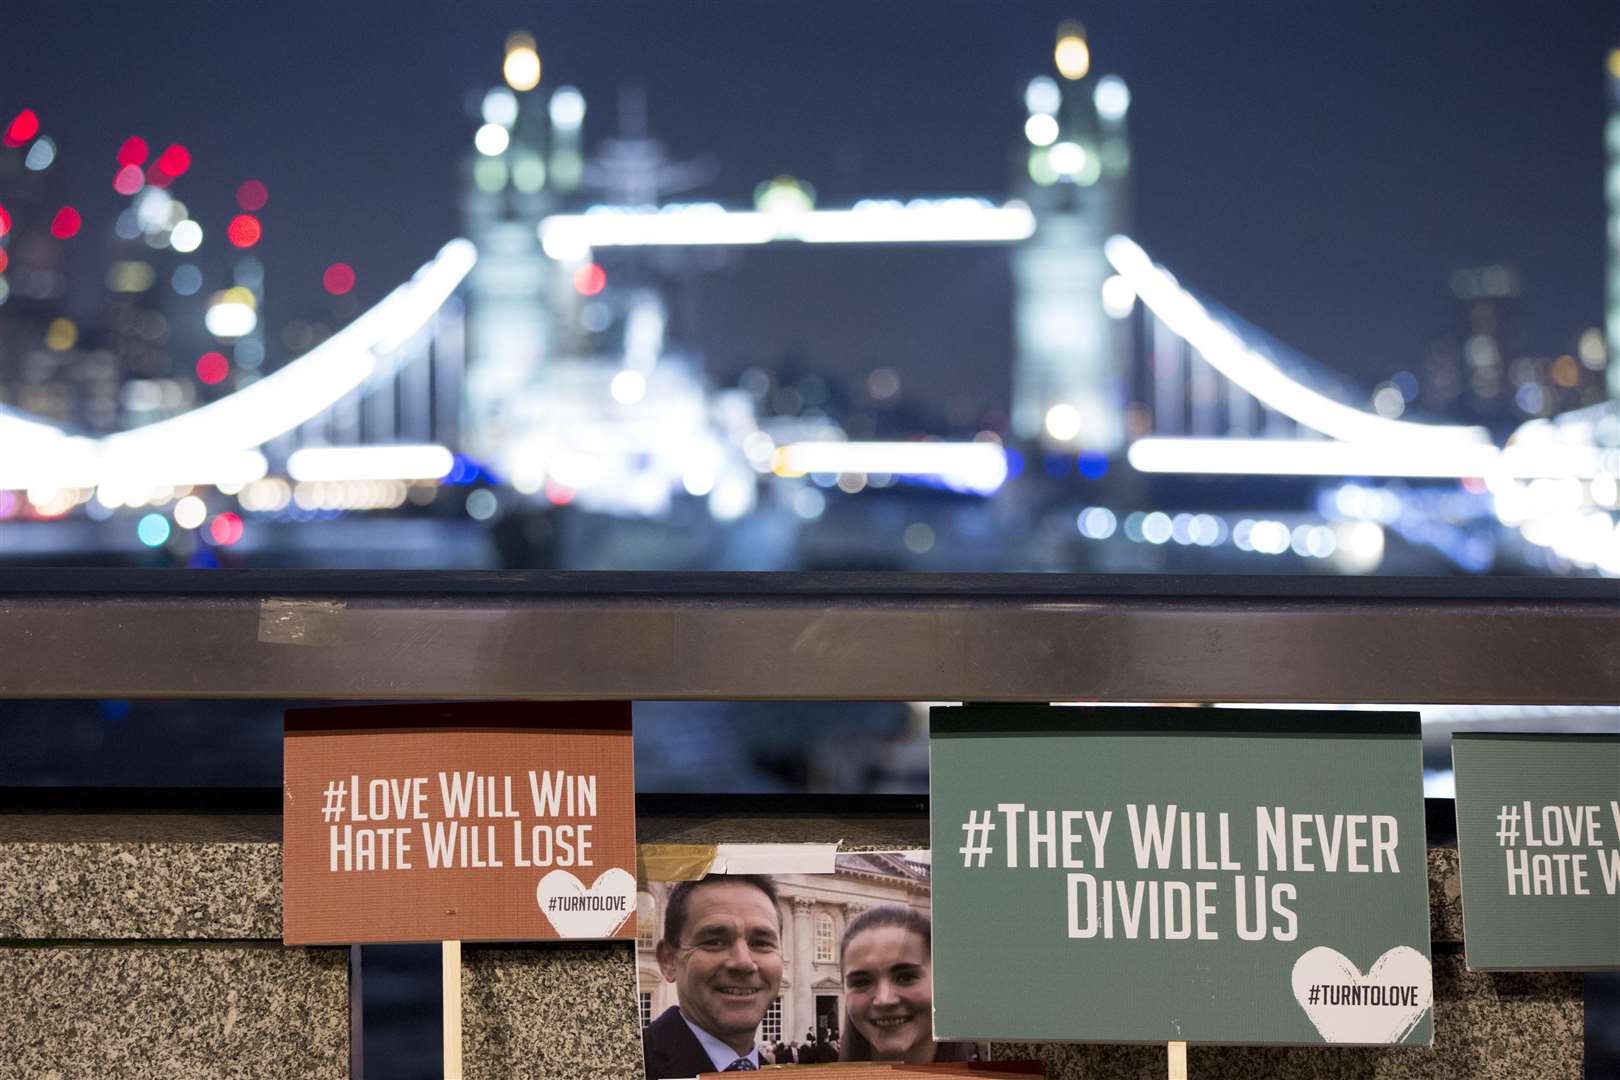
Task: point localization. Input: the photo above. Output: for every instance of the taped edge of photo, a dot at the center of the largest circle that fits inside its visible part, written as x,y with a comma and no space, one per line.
673,862
688,862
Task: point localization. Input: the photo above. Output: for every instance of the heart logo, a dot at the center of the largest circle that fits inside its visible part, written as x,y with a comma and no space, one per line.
1375,1009
577,912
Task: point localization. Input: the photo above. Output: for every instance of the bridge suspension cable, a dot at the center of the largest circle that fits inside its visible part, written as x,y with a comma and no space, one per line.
1259,376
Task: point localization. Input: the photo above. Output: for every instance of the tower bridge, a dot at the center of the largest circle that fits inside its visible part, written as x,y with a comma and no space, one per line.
488,352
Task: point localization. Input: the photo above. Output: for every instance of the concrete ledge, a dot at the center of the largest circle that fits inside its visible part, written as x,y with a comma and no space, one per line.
551,1012
174,1012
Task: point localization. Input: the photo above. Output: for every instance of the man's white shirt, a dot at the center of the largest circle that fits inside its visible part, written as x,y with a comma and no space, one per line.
719,1053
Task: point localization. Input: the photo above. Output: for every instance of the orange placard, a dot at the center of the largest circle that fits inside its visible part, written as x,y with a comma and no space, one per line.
466,822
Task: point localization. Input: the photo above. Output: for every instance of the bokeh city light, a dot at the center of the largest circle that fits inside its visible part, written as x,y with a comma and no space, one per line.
252,195
65,224
129,180
590,279
1072,55
212,368
338,279
226,529
244,231
22,127
174,161
521,67
133,151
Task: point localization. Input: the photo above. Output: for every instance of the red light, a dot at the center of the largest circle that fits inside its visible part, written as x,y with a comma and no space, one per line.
252,195
590,279
133,152
129,180
22,128
226,529
174,161
156,177
244,230
212,367
5,221
5,260
338,279
66,223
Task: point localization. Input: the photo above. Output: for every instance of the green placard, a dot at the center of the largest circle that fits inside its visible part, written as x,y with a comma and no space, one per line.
1538,836
1148,875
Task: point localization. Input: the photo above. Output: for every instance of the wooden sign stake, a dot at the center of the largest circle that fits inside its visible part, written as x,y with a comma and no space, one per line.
452,1010
1178,1061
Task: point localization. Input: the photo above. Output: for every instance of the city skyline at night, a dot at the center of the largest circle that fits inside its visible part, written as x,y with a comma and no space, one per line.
909,255
784,370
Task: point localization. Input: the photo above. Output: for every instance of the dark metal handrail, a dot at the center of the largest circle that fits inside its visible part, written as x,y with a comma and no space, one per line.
341,635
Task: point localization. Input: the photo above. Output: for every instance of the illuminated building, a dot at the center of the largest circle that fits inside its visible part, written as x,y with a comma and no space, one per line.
152,312
1465,374
1612,190
32,281
1480,372
1070,379
52,364
524,166
572,392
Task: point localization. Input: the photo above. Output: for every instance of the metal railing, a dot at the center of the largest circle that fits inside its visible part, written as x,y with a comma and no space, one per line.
352,635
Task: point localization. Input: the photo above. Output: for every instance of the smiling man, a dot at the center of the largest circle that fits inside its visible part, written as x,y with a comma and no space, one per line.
722,950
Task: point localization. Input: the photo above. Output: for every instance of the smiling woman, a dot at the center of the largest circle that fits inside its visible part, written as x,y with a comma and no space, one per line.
889,990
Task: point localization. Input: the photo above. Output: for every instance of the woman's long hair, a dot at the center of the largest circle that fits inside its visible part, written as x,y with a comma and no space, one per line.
853,1046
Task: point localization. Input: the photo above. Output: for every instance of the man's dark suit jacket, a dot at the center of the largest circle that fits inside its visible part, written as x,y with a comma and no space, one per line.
669,1049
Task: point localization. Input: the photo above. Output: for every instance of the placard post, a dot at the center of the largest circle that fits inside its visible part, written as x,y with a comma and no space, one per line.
1178,1061
452,1010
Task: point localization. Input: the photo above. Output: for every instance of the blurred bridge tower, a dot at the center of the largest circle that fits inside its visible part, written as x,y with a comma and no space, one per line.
1072,375
526,163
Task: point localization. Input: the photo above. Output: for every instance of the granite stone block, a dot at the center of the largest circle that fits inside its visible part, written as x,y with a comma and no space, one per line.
550,1012
124,891
1486,1027
1445,896
174,1012
125,877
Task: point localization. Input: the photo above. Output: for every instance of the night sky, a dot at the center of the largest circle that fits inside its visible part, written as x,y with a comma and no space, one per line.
1318,168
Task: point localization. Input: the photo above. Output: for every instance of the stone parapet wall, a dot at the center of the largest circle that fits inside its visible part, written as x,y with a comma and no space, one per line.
149,946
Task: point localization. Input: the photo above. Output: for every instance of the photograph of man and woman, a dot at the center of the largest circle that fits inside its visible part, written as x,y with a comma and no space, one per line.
741,971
